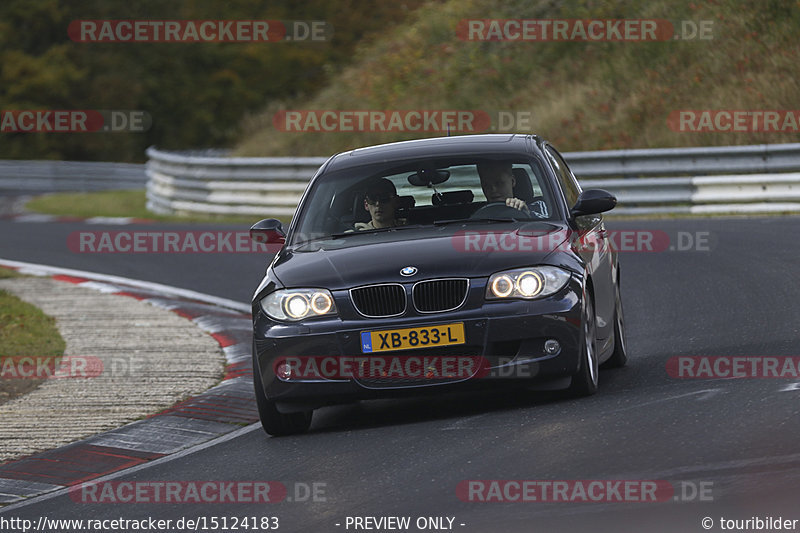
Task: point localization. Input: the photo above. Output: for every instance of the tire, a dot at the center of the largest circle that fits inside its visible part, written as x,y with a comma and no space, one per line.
584,383
620,355
273,421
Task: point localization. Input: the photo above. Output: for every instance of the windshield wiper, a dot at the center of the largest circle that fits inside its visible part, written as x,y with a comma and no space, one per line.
474,220
376,230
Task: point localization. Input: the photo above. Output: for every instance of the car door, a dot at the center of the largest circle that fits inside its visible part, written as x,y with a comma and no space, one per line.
595,247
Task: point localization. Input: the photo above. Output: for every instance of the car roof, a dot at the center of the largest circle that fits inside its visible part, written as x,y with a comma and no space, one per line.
439,146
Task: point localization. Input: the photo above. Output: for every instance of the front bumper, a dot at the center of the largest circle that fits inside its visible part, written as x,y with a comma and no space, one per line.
508,337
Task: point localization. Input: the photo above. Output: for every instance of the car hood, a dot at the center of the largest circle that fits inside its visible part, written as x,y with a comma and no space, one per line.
448,251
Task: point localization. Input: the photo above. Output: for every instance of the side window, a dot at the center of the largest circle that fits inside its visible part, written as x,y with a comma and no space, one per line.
568,183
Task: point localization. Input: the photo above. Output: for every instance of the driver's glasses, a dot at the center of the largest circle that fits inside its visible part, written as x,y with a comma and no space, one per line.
384,199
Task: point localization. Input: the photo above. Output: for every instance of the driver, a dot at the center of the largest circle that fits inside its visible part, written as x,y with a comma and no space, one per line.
381,202
497,182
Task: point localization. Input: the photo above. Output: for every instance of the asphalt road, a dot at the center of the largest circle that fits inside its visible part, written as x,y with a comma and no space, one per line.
233,276
728,447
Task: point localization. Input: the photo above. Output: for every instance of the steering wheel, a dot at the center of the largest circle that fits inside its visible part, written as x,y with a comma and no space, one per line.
497,210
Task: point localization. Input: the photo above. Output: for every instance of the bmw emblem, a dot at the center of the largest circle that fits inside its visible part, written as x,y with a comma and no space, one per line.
408,271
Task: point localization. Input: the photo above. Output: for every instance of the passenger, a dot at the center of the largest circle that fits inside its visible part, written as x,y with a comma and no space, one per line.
381,202
497,182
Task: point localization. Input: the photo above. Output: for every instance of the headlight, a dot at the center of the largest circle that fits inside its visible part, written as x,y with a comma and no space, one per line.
298,304
528,283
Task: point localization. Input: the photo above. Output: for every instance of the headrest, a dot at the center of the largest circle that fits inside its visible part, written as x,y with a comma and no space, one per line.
522,186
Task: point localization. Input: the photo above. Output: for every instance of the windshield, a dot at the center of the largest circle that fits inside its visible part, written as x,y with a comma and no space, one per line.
386,197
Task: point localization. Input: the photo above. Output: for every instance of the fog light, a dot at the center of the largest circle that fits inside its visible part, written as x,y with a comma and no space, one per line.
283,371
551,347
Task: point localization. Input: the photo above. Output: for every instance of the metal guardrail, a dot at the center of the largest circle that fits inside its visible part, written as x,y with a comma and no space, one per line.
755,179
686,180
756,158
62,176
187,182
742,193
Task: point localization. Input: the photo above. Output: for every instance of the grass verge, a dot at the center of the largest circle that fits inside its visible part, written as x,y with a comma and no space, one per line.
130,203
581,94
6,273
24,331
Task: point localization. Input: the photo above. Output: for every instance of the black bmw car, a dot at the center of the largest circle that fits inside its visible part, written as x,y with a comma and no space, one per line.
431,265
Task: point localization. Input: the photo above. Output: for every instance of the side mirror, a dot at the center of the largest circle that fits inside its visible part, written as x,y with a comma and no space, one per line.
268,231
593,201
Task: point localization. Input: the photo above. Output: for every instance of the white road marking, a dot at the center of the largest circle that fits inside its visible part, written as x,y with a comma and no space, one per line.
35,269
156,462
47,270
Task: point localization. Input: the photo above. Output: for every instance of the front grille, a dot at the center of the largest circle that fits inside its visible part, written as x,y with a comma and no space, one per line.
440,294
379,300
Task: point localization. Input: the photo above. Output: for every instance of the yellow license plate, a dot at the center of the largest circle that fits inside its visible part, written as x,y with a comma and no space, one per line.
410,338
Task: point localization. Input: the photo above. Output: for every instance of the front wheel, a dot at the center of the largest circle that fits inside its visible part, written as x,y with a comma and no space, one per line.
273,421
584,383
